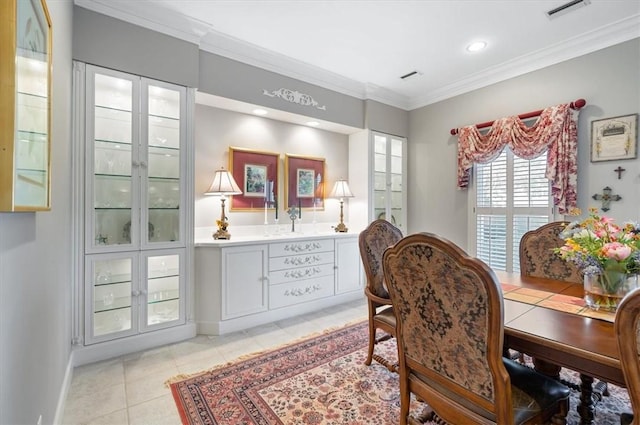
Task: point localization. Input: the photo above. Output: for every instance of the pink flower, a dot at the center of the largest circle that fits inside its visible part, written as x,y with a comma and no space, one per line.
616,251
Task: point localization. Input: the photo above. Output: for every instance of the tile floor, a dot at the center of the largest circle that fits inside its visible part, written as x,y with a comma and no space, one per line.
131,390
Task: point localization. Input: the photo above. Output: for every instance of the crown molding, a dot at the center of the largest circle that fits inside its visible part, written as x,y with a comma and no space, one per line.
136,13
609,35
209,40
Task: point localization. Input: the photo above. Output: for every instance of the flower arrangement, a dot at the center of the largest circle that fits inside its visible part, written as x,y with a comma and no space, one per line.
598,246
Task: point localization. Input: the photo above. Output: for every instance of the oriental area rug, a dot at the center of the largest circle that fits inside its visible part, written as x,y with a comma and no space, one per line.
321,380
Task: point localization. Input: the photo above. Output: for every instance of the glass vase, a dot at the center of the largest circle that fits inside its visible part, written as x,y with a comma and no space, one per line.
605,291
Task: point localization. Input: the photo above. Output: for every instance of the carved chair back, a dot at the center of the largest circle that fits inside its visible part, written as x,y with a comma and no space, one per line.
449,310
627,329
538,259
378,236
449,313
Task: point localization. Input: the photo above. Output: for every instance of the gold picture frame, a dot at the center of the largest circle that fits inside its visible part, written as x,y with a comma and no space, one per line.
305,182
614,139
25,101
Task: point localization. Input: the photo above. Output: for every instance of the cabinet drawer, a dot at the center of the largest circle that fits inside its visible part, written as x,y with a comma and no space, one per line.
288,275
300,291
298,261
301,247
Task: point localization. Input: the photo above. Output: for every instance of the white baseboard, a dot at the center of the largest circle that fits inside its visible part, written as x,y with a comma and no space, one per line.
110,349
239,323
64,391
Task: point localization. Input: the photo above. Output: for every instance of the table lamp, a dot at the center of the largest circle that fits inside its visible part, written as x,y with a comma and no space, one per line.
341,190
223,185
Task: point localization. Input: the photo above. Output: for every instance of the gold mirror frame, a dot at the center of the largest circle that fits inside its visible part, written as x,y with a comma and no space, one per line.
25,102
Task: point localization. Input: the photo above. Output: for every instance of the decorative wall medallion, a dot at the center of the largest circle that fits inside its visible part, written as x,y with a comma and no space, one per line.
294,96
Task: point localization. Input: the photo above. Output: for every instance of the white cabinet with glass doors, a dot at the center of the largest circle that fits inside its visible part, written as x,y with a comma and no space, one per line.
134,165
128,293
134,203
383,178
389,179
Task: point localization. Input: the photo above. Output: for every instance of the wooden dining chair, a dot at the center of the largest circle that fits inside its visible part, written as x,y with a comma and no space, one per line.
450,316
373,240
627,330
538,259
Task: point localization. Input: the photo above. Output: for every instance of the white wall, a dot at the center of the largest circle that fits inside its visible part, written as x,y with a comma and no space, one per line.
35,268
216,130
608,79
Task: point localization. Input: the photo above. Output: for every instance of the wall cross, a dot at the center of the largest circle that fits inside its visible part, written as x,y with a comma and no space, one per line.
619,170
606,198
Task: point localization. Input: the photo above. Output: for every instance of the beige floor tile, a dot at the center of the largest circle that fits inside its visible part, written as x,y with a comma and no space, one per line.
159,411
88,378
137,368
149,387
269,336
84,408
119,417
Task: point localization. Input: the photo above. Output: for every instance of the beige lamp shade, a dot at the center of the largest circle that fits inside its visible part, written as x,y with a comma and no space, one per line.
223,184
341,190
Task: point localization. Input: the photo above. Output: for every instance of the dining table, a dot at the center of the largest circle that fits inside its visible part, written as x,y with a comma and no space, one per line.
548,320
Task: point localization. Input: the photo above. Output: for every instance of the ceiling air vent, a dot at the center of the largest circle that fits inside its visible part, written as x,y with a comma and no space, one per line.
410,74
567,7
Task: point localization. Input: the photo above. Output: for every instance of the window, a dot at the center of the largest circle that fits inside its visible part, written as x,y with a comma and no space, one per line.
512,196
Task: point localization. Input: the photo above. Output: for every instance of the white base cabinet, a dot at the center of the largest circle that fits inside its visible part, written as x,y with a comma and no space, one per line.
249,283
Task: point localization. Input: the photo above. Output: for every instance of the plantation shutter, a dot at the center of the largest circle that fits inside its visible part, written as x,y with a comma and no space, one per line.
512,197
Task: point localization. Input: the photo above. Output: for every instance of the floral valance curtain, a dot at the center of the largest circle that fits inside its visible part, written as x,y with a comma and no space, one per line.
555,131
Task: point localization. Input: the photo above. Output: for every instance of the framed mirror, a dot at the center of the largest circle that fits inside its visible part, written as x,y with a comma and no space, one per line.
25,99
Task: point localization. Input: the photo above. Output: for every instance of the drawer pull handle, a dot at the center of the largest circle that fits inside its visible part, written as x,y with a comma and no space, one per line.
303,273
299,261
299,292
302,247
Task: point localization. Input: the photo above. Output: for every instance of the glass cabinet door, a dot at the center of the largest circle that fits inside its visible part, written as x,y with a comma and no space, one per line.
110,297
25,99
111,156
165,296
164,161
380,176
389,162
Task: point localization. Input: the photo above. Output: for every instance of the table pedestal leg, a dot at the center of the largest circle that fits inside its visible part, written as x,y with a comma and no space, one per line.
586,409
547,368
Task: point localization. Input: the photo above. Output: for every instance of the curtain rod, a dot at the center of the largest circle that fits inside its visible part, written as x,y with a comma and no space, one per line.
573,105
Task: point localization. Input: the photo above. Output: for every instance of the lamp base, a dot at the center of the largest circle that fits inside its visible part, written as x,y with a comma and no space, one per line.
222,234
341,228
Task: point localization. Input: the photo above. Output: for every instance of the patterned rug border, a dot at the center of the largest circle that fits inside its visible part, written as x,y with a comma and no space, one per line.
295,346
249,356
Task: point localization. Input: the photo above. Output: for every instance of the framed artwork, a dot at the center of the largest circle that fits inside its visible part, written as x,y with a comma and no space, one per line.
257,175
305,181
614,139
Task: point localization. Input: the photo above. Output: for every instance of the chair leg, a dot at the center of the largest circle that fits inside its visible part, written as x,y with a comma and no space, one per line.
372,342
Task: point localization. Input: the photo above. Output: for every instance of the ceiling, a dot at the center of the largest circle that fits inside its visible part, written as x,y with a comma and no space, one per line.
363,47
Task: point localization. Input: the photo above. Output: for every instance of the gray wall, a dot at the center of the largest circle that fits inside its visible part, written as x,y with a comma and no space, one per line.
112,43
386,119
608,79
35,267
235,80
217,130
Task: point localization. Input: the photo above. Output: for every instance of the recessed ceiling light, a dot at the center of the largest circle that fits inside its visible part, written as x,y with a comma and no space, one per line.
260,111
313,123
476,46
